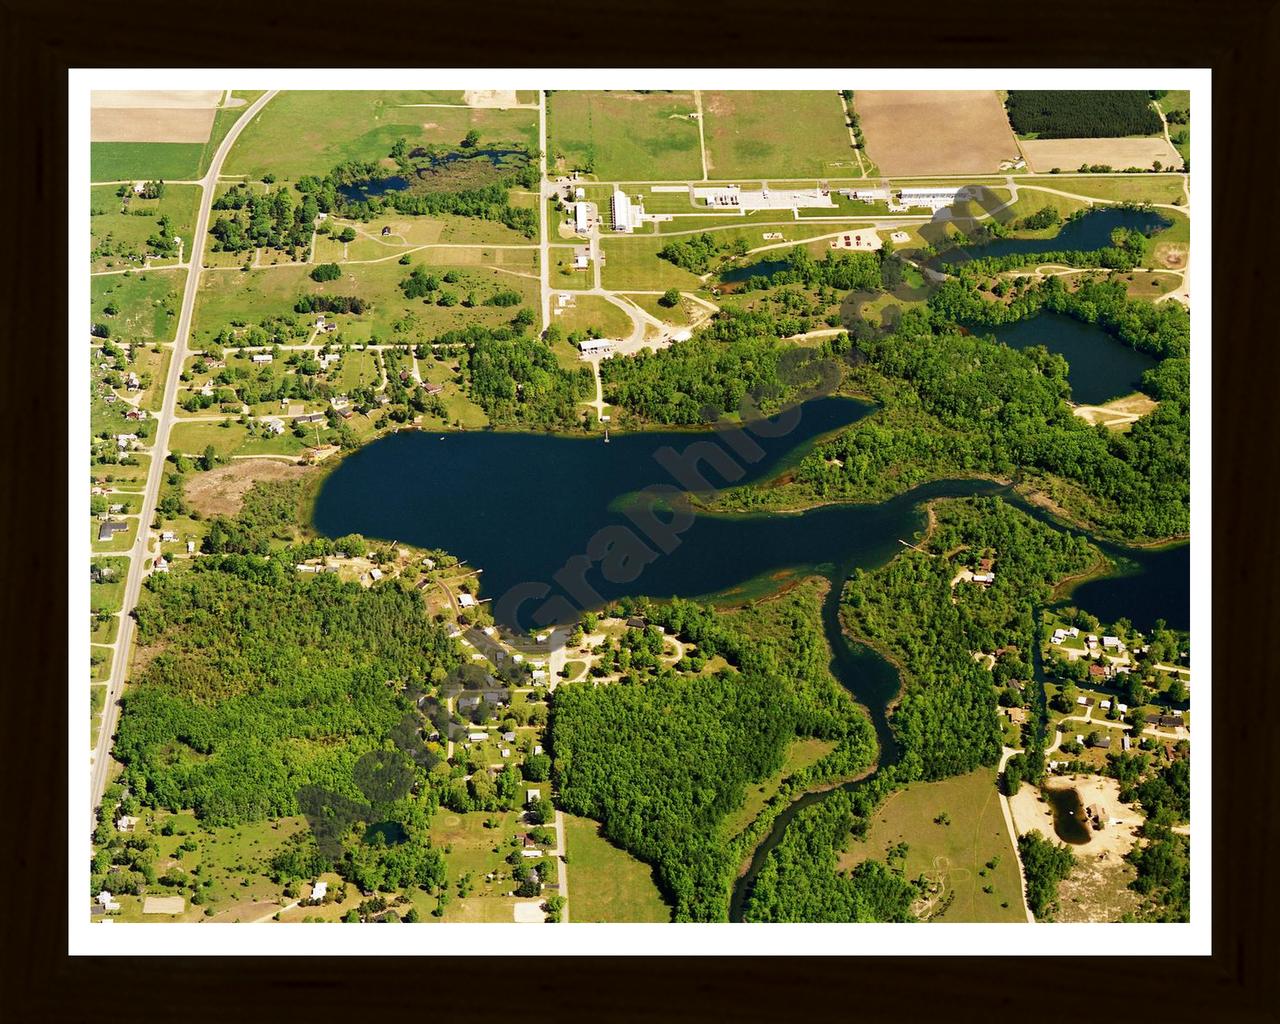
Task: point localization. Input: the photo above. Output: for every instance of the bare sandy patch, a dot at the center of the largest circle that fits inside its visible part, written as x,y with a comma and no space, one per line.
164,905
1121,821
155,99
500,98
1068,154
529,913
1118,414
151,124
930,132
1031,812
221,491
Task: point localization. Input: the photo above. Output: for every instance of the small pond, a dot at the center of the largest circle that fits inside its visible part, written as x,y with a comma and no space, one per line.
1068,815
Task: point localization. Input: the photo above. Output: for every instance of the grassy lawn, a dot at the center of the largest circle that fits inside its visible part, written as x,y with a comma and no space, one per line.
1133,188
100,663
1179,99
310,132
119,231
97,701
592,311
251,296
607,883
619,136
800,754
122,541
193,438
124,478
147,303
633,263
678,315
776,134
954,853
1030,201
109,597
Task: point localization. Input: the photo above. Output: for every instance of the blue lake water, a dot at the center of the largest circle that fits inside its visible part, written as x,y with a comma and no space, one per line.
1084,234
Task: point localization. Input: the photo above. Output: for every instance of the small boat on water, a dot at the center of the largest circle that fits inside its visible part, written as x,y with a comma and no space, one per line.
606,435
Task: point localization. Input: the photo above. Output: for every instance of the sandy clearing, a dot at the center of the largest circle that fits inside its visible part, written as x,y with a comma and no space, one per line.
1068,154
221,491
930,132
490,98
151,124
164,905
529,913
1120,413
154,99
1031,812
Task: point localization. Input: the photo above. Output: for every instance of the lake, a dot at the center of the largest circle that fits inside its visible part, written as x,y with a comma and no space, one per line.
1084,234
543,515
1102,367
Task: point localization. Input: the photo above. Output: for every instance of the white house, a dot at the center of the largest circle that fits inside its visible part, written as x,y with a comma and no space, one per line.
318,890
580,218
477,737
191,547
466,600
984,577
1111,642
375,574
532,795
106,902
262,357
274,425
530,853
168,535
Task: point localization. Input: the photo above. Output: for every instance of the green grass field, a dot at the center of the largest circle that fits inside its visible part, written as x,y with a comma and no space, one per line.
122,541
147,302
592,311
633,264
133,161
119,237
250,296
1132,188
957,852
621,136
109,597
1178,99
777,134
97,701
193,438
607,884
299,133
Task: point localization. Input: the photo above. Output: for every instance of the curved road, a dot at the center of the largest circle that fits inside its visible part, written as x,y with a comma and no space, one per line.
139,553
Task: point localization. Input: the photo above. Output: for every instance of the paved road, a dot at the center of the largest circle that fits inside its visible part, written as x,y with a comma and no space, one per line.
138,554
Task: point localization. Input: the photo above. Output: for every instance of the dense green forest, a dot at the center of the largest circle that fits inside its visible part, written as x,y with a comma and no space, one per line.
946,721
1082,114
264,681
249,219
1045,864
661,763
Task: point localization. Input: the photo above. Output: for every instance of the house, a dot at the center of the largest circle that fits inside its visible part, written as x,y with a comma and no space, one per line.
1082,701
581,259
1105,705
470,700
375,575
637,622
1111,643
191,547
386,230
168,535
1125,743
132,382
106,902
509,737
124,441
110,398
110,528
274,425
985,564
1097,671
433,389
161,565
532,796
466,600
1017,716
311,417
530,853
262,357
477,737
1102,743
1072,631
985,578
537,748
318,890
1122,708
136,414
126,823
303,567
505,752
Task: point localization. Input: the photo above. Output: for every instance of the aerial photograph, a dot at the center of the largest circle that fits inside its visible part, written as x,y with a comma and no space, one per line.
655,506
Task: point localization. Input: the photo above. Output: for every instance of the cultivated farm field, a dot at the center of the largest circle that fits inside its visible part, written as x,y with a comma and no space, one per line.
916,133
624,136
1068,154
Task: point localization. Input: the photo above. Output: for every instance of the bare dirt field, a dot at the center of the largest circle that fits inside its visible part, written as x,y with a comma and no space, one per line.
501,98
913,133
151,124
1068,154
529,913
154,99
221,491
164,905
